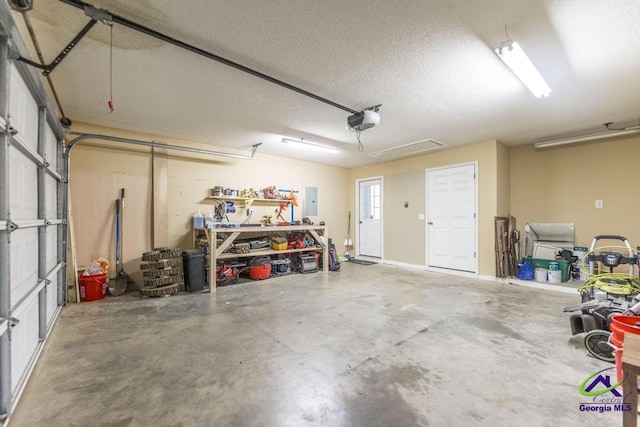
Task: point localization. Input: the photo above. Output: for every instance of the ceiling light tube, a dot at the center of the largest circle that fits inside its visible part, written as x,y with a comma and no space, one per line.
512,54
308,144
584,138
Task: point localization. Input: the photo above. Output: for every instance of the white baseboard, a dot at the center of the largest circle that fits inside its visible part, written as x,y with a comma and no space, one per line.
539,285
404,265
452,272
489,278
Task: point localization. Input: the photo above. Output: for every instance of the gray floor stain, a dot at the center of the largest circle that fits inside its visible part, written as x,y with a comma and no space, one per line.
379,401
492,325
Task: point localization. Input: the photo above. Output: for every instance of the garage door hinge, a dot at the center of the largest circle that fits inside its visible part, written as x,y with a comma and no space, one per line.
13,322
12,226
3,418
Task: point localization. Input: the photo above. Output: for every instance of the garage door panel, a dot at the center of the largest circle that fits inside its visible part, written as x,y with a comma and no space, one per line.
23,262
51,197
51,148
32,196
23,186
24,340
51,299
52,247
23,110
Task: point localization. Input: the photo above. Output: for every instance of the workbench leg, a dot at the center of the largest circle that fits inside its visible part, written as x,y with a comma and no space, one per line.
325,252
212,237
630,395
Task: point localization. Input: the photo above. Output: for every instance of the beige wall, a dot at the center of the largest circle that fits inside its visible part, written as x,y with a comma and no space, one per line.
553,185
504,179
486,154
400,188
99,170
562,184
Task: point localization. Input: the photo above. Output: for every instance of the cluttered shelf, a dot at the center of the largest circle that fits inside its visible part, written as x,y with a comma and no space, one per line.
245,202
264,252
219,240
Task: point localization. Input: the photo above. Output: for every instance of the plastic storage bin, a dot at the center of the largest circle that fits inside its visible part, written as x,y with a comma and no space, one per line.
545,263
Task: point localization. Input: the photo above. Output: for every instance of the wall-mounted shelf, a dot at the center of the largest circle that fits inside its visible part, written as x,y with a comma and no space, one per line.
244,202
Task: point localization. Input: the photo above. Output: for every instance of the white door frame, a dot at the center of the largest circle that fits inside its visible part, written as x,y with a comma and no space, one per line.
426,209
357,216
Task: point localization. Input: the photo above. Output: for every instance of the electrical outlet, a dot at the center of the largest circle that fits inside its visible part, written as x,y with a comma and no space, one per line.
599,204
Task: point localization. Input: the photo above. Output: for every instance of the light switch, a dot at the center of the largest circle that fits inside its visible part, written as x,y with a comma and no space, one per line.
599,204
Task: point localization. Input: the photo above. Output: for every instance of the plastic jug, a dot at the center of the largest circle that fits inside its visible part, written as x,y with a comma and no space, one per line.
198,220
208,220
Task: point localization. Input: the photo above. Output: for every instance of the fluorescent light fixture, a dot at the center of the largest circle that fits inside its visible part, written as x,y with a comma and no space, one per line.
411,149
301,142
512,54
584,138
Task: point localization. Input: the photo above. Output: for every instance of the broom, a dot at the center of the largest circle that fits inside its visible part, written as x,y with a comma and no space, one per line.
347,241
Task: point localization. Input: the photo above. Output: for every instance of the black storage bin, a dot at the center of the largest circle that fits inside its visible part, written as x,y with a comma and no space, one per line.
194,271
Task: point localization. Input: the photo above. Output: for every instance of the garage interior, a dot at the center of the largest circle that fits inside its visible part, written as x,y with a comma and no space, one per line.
390,137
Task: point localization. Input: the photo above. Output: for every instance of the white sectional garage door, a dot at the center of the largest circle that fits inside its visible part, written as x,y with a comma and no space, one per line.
31,225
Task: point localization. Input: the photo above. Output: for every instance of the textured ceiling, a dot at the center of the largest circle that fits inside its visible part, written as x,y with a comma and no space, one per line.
429,63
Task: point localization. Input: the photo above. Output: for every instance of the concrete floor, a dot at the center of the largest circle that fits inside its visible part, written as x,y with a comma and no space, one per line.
365,346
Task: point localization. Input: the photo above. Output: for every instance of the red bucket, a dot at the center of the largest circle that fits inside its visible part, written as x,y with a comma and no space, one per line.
92,287
619,326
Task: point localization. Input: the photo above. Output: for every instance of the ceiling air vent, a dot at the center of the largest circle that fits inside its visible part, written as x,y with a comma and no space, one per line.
407,150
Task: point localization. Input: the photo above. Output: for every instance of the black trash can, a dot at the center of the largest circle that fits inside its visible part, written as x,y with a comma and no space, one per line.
194,271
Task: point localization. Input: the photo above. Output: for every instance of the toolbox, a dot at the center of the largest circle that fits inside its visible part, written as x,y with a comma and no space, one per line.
240,248
259,244
279,243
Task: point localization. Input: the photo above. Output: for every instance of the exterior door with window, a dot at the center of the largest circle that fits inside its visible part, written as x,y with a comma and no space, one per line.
370,218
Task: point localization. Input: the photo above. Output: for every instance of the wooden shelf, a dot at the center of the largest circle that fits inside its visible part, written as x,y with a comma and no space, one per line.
259,252
244,202
229,235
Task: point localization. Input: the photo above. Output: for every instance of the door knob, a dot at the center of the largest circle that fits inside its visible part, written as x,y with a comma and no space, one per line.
430,223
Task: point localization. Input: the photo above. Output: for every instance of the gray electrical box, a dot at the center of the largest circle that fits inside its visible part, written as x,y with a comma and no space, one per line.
311,201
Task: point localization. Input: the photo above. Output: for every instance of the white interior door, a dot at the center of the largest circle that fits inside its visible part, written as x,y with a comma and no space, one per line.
370,218
451,218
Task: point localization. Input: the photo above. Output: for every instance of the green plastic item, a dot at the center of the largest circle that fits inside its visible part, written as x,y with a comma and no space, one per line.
544,263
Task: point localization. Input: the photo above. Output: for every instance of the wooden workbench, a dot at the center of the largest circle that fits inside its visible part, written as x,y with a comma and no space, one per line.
216,252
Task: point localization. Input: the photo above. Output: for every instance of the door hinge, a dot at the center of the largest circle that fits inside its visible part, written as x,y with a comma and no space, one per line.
474,214
12,322
474,254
